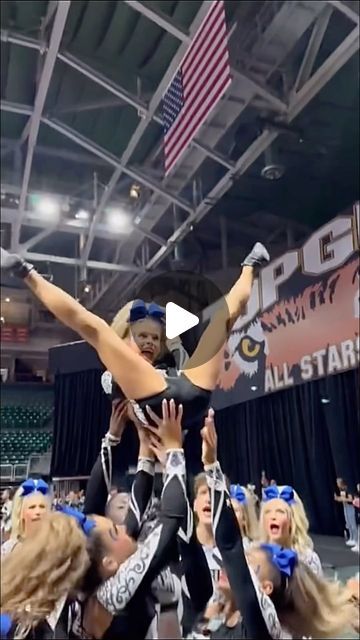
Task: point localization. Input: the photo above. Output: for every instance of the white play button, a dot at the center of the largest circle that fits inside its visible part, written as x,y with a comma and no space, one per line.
178,320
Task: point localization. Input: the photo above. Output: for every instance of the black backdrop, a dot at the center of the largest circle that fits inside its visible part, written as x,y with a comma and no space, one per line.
295,437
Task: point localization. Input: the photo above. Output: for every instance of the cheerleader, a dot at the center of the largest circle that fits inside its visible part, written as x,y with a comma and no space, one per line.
244,508
190,577
283,521
39,578
117,598
274,592
131,361
31,502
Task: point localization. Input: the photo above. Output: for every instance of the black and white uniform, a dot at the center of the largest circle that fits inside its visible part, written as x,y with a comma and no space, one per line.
195,400
189,578
259,617
56,626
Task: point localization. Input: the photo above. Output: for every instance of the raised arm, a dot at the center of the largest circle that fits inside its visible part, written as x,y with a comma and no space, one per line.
143,485
139,571
228,539
99,484
196,577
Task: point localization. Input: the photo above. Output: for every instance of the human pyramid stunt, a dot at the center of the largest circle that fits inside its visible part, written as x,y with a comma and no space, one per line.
146,572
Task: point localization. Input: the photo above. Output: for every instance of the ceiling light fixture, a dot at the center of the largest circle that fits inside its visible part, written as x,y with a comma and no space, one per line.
2,320
87,288
7,299
135,191
82,214
118,220
48,207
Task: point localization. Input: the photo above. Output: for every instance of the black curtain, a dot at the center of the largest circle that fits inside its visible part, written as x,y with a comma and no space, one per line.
81,418
292,434
305,436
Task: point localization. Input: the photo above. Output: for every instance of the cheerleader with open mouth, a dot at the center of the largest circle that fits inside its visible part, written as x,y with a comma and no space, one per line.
276,595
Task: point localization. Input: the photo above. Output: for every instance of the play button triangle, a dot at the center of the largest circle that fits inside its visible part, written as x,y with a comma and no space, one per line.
178,320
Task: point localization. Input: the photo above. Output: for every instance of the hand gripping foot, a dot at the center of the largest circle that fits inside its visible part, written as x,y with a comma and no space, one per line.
257,257
14,264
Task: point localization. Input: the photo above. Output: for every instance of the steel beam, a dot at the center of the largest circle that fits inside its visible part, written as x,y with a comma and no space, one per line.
163,21
55,40
123,95
326,71
37,238
99,79
140,129
70,133
76,227
139,105
347,11
8,144
168,24
14,107
82,107
22,41
76,262
313,48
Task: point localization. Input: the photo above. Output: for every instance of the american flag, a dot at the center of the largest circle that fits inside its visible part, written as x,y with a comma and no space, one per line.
197,86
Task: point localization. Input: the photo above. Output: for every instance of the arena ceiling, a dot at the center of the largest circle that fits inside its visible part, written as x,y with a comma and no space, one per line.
81,89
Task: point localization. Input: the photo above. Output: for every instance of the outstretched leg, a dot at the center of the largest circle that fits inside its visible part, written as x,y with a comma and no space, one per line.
203,368
136,377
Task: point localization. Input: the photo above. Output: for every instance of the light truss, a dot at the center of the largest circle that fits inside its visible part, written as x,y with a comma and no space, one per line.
327,70
74,227
148,113
73,262
97,150
301,18
34,125
345,9
140,129
313,48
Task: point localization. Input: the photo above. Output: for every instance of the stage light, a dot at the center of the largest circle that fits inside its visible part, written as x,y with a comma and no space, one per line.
48,207
82,214
134,192
118,220
325,400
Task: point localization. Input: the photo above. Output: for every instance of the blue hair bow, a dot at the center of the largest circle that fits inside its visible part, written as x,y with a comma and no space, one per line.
286,494
31,486
285,560
140,310
238,493
5,625
86,525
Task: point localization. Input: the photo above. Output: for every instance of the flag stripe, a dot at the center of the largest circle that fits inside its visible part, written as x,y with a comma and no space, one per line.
197,86
191,106
190,77
218,89
196,126
201,40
